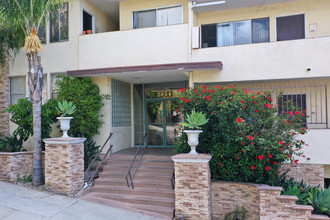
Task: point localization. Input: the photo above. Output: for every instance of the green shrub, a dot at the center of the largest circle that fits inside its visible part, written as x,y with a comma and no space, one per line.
22,115
246,136
300,190
24,179
13,143
90,151
88,101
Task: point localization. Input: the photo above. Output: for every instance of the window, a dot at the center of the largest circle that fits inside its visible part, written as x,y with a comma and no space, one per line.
59,24
235,33
42,32
87,21
53,86
17,89
44,89
290,27
121,103
297,99
157,17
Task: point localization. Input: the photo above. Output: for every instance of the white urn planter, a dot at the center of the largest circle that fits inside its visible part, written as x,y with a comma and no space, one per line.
193,139
65,125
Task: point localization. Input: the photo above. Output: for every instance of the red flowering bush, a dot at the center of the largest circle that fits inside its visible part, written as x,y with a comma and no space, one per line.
246,136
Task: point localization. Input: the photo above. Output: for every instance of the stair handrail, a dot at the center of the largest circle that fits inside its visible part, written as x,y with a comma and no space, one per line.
129,173
90,178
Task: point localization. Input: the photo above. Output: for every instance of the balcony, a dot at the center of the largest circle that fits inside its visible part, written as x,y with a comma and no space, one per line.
306,58
157,45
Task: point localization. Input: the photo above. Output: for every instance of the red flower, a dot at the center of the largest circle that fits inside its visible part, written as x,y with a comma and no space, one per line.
207,97
297,112
303,156
270,156
243,88
250,137
217,87
302,114
183,98
239,120
253,167
258,110
252,143
280,142
243,151
267,168
196,91
258,93
281,149
296,161
261,157
220,164
177,109
290,113
231,86
237,158
187,101
275,163
221,88
243,143
256,134
242,101
233,93
210,100
246,91
253,96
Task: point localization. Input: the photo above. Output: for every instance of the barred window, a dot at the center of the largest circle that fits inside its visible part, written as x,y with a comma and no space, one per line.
121,103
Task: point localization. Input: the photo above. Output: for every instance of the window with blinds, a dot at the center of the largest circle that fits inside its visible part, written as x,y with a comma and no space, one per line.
235,33
158,17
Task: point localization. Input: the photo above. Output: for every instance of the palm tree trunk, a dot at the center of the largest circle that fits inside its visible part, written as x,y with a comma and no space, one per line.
35,78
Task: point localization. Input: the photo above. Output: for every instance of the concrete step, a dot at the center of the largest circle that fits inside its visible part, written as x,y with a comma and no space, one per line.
169,193
145,157
138,176
137,183
156,211
141,169
137,199
143,163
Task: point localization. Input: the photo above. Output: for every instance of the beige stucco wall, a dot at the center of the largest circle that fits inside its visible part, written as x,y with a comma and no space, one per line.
134,47
126,9
316,12
266,61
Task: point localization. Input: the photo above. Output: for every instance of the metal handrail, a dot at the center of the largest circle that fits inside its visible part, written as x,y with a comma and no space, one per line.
129,174
173,179
90,178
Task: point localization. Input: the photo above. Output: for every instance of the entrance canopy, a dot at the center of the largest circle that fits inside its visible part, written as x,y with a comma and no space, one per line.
149,73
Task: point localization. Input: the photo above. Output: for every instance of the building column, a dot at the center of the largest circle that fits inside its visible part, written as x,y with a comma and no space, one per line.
193,186
64,165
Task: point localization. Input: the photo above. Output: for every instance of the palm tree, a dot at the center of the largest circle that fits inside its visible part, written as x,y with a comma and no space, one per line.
23,18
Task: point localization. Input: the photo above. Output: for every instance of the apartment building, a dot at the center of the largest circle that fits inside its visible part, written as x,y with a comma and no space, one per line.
141,51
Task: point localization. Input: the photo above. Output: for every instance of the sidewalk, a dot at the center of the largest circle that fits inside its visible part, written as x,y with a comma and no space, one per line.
17,202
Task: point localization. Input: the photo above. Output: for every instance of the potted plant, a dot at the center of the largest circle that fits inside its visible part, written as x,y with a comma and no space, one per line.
66,109
194,122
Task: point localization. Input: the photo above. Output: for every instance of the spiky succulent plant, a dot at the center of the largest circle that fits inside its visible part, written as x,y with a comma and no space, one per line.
195,120
66,108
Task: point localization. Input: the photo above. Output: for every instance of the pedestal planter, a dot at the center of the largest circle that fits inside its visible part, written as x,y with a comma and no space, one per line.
193,139
65,125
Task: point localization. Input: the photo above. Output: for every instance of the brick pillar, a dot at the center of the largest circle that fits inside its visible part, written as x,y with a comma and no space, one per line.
4,101
193,185
64,165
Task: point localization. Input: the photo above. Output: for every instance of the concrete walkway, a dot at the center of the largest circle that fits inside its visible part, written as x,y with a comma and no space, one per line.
17,202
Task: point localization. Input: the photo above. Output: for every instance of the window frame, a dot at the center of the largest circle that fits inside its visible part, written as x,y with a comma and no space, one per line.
59,26
156,9
10,91
229,22
288,15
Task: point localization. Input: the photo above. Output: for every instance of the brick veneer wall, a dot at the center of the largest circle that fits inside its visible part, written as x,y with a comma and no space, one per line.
261,202
226,195
312,174
4,101
64,165
12,164
192,186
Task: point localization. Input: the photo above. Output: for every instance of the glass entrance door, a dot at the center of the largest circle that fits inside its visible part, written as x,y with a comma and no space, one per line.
162,119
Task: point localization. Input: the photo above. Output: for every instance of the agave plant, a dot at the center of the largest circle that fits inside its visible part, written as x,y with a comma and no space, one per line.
195,120
320,200
66,108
